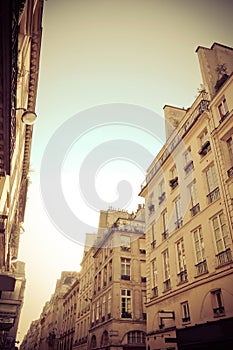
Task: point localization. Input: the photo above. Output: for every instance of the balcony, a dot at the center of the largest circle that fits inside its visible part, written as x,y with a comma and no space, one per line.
165,234
162,198
224,117
230,172
195,209
126,315
155,291
224,257
189,167
182,276
151,208
213,195
167,285
201,268
125,277
153,244
205,148
179,223
173,183
125,249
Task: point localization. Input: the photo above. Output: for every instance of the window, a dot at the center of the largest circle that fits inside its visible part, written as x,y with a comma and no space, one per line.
179,220
230,153
205,143
201,264
223,108
217,302
125,243
188,162
99,281
93,342
93,314
97,311
136,337
199,245
143,271
182,271
221,239
103,307
164,222
144,304
126,311
154,278
166,270
105,276
153,242
195,207
185,312
142,246
162,191
173,172
212,183
109,303
230,150
125,269
104,339
151,206
204,137
110,270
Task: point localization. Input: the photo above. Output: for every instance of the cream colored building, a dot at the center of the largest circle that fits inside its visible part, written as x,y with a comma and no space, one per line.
188,198
20,41
117,315
82,321
69,312
54,319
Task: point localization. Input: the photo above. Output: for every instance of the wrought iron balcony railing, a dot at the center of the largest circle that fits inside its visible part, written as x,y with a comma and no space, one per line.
213,195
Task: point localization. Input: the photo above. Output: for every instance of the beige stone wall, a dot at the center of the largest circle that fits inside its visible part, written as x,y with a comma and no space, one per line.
200,147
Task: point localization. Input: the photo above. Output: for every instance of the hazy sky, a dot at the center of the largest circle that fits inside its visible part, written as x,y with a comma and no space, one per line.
97,52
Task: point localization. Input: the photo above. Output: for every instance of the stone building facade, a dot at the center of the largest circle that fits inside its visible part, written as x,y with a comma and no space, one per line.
188,199
20,42
118,317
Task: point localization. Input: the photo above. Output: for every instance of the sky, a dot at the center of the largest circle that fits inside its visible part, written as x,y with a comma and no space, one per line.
103,61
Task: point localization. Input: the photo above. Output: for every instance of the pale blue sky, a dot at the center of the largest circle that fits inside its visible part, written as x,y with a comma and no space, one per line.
140,52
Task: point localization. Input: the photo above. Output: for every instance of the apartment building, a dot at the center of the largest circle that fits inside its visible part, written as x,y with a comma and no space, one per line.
188,200
82,321
69,312
117,315
54,320
20,42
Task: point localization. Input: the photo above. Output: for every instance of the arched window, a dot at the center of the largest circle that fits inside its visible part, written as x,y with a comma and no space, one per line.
104,339
93,342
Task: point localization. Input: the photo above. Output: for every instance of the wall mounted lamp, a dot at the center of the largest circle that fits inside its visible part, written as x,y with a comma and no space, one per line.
28,117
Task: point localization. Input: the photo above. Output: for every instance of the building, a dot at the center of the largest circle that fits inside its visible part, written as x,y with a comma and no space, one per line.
82,321
117,315
188,198
70,299
49,327
20,42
